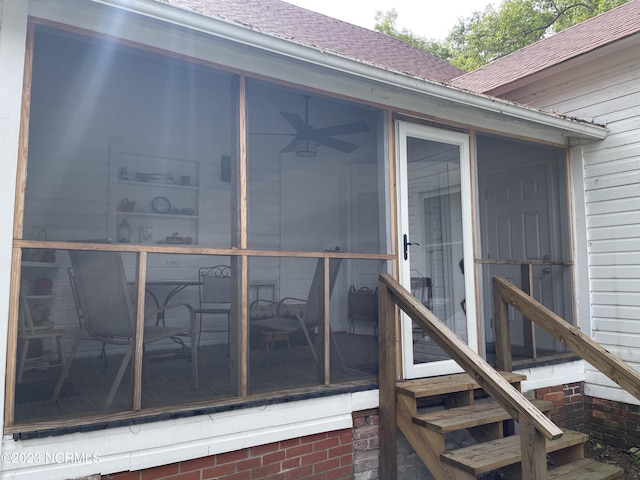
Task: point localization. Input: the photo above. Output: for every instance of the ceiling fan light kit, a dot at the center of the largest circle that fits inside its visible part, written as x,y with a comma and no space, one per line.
306,147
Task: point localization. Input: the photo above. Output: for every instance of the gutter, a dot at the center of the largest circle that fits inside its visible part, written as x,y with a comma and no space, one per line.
243,34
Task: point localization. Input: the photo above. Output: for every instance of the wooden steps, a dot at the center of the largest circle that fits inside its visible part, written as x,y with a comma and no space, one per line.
448,384
452,419
488,456
464,407
585,469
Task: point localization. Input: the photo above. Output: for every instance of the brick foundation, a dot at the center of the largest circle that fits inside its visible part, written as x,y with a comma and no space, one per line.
325,456
568,404
366,452
354,453
614,423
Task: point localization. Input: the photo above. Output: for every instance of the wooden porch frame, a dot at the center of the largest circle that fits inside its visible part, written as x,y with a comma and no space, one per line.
239,371
533,423
506,294
534,426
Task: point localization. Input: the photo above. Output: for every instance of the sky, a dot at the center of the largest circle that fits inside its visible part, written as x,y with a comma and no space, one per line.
432,19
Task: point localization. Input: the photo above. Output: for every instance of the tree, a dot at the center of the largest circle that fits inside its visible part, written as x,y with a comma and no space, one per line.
493,33
386,23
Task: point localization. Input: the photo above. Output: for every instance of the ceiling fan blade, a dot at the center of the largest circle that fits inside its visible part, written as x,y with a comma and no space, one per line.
341,145
273,134
344,129
291,146
295,121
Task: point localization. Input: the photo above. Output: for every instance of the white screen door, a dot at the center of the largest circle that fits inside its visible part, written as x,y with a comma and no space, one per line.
434,190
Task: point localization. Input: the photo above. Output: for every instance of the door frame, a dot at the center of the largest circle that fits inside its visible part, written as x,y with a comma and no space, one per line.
403,130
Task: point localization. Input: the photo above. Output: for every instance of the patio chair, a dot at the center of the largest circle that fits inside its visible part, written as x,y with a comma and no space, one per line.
108,313
422,289
362,306
291,315
215,295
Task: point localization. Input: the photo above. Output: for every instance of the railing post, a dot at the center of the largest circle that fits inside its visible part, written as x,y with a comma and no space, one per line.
533,452
528,328
387,424
502,334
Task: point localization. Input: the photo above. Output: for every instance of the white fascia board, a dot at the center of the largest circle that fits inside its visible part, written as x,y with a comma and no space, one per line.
290,48
614,394
164,442
552,375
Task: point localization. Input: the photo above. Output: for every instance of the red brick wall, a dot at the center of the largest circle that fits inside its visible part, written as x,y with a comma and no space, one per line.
325,456
611,422
366,451
568,404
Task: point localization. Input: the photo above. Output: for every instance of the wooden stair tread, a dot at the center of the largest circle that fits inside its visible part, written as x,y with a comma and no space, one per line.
585,469
481,413
432,386
484,457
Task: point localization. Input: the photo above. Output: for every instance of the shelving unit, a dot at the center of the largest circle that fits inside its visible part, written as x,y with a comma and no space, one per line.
32,334
136,179
31,272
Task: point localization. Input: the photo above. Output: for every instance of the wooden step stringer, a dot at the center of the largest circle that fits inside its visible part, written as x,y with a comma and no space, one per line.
488,424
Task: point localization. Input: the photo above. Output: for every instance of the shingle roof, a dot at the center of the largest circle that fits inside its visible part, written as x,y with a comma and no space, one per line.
582,38
303,26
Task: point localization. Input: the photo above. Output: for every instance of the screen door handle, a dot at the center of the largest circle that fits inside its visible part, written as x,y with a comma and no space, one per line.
406,245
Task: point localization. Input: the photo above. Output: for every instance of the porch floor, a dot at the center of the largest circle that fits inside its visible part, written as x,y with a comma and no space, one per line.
167,378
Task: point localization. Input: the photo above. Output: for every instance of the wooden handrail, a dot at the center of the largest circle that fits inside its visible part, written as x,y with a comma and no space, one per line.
491,381
532,421
580,344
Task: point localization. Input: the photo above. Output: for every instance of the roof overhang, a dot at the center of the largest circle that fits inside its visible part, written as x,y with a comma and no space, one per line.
244,34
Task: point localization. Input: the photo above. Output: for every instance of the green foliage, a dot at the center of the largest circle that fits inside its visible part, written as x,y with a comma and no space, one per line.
386,23
495,32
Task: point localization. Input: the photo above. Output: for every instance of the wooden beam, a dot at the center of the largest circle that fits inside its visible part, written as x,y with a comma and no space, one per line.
12,337
388,466
528,328
239,325
533,450
324,329
138,350
504,360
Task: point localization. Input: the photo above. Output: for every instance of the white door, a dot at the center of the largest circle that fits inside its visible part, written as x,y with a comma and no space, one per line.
515,208
435,241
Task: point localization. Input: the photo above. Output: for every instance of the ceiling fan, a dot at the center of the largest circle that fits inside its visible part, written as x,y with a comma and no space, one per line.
308,138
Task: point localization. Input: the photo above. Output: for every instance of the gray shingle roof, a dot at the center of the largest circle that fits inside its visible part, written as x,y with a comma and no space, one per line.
582,38
284,20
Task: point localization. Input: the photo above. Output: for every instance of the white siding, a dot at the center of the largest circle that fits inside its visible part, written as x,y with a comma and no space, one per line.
606,90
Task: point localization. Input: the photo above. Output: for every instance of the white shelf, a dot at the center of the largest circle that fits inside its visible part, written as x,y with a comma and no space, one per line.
158,185
40,297
39,264
157,215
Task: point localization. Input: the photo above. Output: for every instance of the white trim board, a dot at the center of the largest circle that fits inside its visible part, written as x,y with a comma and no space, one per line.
160,443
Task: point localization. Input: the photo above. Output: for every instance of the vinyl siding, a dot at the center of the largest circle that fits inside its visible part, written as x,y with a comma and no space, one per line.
607,91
